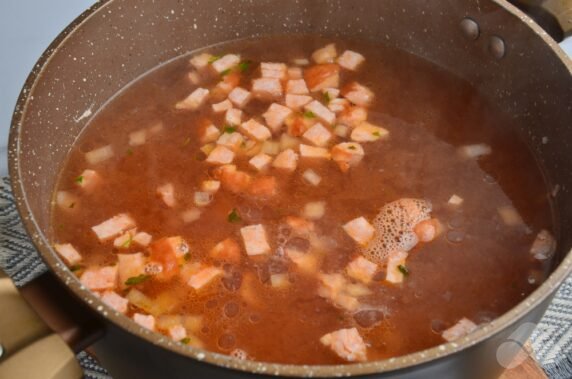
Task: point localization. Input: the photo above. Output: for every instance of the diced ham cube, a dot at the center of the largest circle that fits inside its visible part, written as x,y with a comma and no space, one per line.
395,264
297,87
333,287
275,116
201,61
318,135
233,116
124,240
314,210
204,277
463,327
66,201
326,54
260,161
226,62
321,111
115,301
223,106
210,186
191,215
68,253
361,269
296,102
307,151
146,321
347,344
113,227
202,199
360,230
273,70
220,155
130,266
341,130
322,76
267,88
455,200
255,130
295,73
142,239
350,60
194,77
99,278
254,238
543,246
311,176
88,180
167,193
210,134
239,97
227,250
338,105
264,186
347,154
231,140
138,137
194,100
353,116
177,332
99,155
286,160
358,94
366,132
331,93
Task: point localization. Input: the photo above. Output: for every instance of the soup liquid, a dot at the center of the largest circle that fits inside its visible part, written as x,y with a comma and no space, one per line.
477,268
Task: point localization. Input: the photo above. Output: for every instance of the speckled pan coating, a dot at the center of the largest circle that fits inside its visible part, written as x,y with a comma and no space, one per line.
115,41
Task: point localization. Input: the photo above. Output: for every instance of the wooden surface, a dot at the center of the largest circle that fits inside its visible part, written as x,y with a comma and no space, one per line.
528,369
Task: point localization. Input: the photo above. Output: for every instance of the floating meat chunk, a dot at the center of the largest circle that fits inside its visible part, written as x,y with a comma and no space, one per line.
276,115
326,54
220,155
318,135
255,242
99,155
201,61
226,62
347,154
223,106
168,252
360,230
99,278
297,87
167,193
263,186
233,116
361,269
194,100
273,70
321,111
113,227
463,327
350,60
366,132
347,344
296,102
88,180
267,88
68,253
260,161
353,116
286,160
226,250
203,277
358,94
130,266
543,246
146,321
239,97
234,180
115,301
322,76
396,269
314,152
255,130
210,133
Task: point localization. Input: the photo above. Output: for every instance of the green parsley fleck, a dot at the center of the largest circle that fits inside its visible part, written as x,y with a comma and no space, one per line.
187,256
403,269
351,147
214,58
234,217
326,97
243,66
127,243
225,72
129,151
309,114
76,268
229,129
134,280
79,179
376,134
72,205
185,340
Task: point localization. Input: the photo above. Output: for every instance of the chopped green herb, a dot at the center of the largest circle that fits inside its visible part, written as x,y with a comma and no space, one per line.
215,58
225,72
376,134
187,256
309,114
127,243
403,269
351,147
326,97
229,129
72,205
186,141
134,280
243,66
76,268
185,340
129,151
79,179
234,216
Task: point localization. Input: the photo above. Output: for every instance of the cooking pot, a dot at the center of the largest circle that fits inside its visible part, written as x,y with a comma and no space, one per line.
488,43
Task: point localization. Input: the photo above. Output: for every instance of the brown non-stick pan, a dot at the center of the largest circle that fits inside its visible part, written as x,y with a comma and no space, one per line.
489,43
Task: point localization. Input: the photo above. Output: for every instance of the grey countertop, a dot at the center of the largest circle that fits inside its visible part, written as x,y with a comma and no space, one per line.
26,29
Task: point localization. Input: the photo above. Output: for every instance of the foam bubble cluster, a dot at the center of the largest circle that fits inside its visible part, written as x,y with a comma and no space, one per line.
394,227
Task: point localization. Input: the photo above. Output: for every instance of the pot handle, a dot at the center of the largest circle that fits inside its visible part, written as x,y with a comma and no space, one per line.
554,16
42,326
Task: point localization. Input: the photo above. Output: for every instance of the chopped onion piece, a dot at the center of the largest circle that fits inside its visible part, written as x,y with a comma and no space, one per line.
99,155
455,200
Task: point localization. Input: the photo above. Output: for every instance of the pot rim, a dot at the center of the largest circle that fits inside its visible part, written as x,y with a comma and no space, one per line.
402,362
